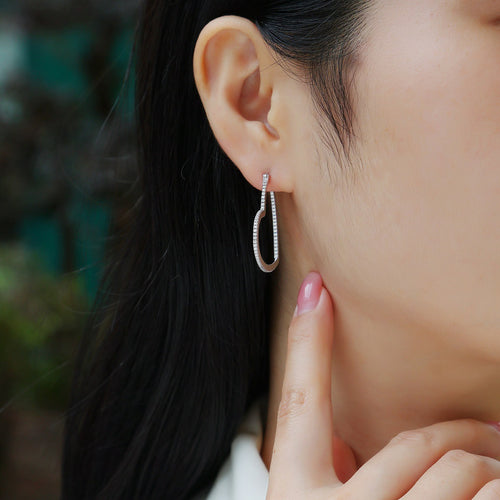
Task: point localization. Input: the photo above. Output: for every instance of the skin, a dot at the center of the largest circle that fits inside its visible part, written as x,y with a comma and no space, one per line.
454,460
407,240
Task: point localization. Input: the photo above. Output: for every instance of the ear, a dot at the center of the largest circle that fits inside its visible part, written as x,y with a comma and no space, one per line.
242,90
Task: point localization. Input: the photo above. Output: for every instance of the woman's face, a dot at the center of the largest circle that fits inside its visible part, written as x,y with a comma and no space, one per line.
415,235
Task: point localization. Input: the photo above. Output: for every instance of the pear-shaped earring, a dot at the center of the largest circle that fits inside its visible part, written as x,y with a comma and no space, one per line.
267,268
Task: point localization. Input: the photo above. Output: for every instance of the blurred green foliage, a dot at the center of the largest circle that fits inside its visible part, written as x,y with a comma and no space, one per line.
66,158
67,162
40,318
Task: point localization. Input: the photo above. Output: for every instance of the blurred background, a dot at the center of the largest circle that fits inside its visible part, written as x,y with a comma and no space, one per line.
66,167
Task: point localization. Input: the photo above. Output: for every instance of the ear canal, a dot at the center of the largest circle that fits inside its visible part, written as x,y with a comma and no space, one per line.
253,106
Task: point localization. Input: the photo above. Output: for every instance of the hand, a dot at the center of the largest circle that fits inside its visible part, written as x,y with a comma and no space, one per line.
447,461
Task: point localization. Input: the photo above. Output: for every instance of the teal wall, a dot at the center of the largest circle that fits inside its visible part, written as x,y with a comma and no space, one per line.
56,61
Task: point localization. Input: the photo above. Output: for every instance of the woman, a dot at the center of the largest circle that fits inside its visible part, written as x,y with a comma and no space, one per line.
376,125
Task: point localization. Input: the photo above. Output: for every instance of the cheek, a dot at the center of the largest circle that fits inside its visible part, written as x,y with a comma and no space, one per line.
425,233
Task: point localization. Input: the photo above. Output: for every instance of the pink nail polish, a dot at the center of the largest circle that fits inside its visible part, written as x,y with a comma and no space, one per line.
309,293
496,425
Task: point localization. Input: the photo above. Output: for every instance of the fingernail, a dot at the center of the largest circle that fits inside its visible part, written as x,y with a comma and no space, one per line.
496,425
309,293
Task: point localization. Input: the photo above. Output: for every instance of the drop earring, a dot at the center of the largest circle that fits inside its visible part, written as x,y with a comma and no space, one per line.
267,268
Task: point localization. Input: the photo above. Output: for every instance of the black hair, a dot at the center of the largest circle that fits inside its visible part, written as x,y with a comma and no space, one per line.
177,346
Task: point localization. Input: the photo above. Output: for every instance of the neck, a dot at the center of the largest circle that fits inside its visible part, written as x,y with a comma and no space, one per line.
387,377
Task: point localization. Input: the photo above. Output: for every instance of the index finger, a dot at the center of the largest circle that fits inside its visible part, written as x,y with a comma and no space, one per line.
302,455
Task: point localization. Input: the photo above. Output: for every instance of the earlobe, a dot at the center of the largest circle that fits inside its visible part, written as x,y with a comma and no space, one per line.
227,63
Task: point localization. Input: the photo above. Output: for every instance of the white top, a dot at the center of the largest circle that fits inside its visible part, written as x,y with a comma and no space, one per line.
244,476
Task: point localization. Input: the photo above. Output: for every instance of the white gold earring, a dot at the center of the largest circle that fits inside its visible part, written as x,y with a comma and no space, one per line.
267,268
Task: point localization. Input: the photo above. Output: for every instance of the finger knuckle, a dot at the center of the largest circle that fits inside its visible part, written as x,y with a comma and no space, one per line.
293,402
474,429
461,459
417,437
471,422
